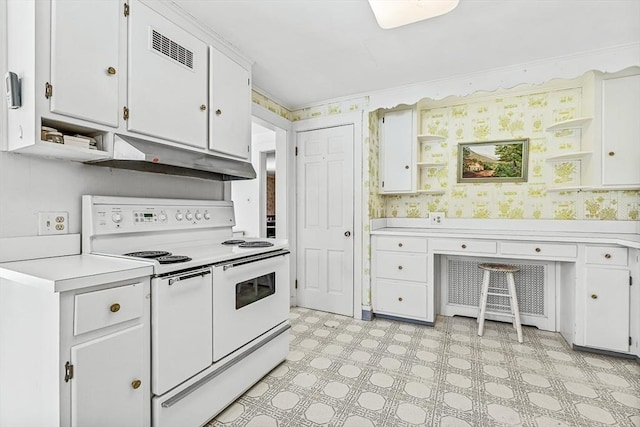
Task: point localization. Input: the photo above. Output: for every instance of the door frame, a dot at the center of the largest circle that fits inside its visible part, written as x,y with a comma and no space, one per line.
354,118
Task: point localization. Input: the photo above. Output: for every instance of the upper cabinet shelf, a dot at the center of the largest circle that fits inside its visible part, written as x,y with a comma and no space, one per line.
430,138
577,123
576,155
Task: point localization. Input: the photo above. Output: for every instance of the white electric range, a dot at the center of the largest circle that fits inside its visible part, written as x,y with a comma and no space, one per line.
219,305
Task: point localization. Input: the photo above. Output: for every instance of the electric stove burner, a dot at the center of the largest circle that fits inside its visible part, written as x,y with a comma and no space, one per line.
233,242
149,254
172,259
256,244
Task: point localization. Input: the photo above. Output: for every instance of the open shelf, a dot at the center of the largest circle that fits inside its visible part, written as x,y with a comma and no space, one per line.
575,155
568,188
577,123
65,152
431,165
430,138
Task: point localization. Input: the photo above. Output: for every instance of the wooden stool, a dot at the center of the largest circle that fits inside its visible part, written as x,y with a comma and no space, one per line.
499,292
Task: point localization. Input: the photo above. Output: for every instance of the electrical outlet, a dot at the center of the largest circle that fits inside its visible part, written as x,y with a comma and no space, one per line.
436,218
53,223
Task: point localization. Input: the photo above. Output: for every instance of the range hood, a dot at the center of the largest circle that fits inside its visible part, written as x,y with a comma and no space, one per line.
142,155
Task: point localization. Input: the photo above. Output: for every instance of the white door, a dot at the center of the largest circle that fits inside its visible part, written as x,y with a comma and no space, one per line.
107,388
230,105
325,219
84,59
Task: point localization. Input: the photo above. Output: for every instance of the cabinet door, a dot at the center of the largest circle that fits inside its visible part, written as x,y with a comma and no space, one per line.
607,309
84,59
230,101
397,149
102,387
620,128
167,93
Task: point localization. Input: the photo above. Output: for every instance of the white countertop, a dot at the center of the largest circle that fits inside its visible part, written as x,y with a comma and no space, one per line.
65,273
592,232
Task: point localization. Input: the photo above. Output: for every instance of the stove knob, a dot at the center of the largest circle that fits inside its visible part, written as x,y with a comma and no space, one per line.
116,217
198,216
189,216
179,216
207,216
162,217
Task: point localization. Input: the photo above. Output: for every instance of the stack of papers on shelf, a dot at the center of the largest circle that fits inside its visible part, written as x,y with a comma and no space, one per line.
76,141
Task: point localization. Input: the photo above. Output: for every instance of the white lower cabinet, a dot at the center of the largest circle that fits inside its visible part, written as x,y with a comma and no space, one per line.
399,273
607,309
107,384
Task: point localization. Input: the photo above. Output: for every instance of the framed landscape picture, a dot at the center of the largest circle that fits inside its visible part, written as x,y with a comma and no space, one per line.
493,161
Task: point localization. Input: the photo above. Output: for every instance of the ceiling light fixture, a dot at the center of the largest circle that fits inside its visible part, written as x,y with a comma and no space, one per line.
396,13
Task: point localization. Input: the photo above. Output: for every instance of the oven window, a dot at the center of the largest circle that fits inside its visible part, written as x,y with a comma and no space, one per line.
253,290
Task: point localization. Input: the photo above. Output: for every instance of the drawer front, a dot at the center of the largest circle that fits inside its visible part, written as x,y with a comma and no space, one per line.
542,250
606,255
391,265
402,299
95,310
401,244
463,245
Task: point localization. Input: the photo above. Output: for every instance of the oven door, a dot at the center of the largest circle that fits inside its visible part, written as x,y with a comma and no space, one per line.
250,296
181,330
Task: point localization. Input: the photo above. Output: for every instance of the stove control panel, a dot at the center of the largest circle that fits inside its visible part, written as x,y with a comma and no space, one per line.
119,218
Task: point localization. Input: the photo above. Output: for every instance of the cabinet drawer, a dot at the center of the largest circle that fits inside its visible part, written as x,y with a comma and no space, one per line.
401,244
95,310
542,250
606,255
464,245
391,265
402,299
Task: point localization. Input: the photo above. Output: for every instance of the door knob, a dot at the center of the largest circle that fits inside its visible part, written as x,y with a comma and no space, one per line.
347,233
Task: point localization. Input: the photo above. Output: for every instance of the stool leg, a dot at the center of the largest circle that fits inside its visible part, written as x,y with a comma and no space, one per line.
483,300
514,306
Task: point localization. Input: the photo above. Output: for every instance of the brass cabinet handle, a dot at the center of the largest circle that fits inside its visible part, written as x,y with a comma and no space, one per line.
115,307
203,107
399,245
594,296
400,299
612,153
111,71
136,384
464,246
218,112
607,256
538,250
399,267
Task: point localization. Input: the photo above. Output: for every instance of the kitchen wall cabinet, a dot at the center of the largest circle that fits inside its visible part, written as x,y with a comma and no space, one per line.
167,88
397,152
230,101
85,71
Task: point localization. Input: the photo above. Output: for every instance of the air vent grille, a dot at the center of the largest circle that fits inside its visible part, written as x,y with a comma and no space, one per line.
171,49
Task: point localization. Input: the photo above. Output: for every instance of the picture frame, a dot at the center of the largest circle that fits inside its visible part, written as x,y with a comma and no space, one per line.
493,161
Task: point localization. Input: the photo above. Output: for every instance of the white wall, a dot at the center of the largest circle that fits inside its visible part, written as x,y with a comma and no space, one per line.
246,195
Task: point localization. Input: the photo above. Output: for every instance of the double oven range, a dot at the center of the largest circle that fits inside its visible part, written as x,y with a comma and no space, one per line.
219,305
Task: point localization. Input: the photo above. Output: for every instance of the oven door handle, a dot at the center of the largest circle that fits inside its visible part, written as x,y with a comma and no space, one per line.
248,260
201,273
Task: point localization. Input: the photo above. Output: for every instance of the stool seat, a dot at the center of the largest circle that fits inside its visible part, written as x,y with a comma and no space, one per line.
499,267
509,292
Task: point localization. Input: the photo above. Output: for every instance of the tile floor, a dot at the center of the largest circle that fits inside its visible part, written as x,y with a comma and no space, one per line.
346,372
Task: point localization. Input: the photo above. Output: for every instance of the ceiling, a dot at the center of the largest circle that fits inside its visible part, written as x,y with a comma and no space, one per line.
308,51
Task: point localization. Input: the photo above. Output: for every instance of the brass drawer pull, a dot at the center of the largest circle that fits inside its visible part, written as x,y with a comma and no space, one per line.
203,107
136,384
612,153
114,308
464,246
538,250
607,256
594,296
111,71
399,267
400,299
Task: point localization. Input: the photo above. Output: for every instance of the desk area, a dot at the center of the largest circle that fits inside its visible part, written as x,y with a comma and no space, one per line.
577,276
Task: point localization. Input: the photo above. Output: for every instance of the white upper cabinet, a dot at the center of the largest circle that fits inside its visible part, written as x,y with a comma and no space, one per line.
621,131
85,66
167,87
397,151
230,106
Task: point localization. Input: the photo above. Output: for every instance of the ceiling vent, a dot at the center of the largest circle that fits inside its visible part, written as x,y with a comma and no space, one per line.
171,49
